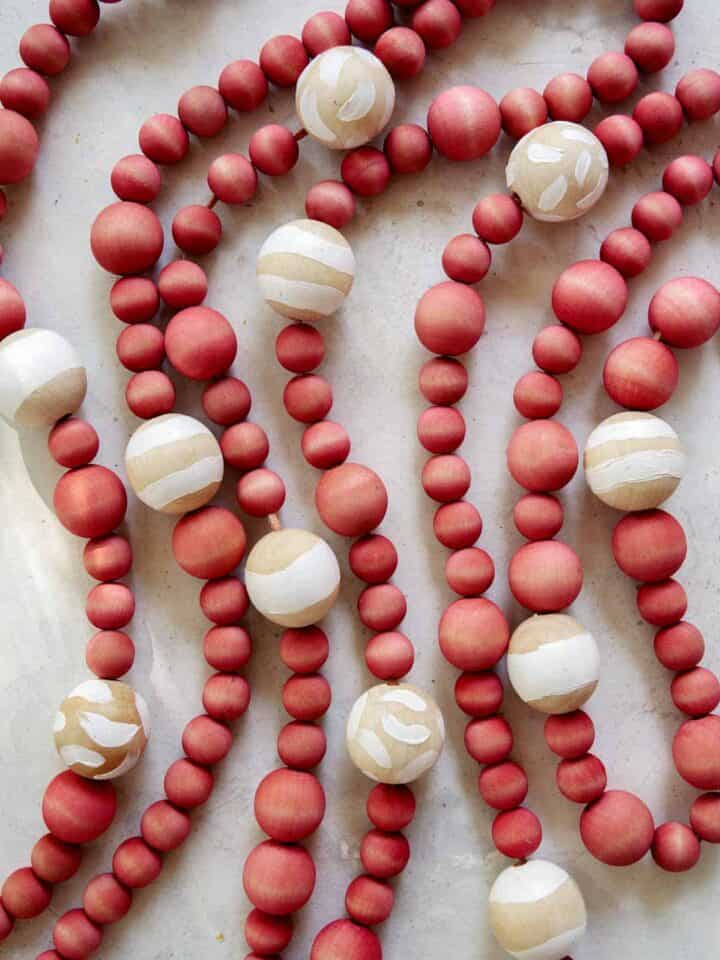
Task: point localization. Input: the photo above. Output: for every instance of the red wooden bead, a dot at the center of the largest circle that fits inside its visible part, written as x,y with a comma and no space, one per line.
106,900
202,111
680,646
699,94
464,123
517,833
331,202
209,543
408,148
367,19
613,77
260,492
351,499
54,861
267,935
200,343
196,229
321,32
24,895
705,817
641,374
366,171
569,97
227,648
389,655
617,829
696,692
469,572
206,741
685,311
243,85
449,318
226,401
245,446
662,10
696,752
542,456
273,150
75,936
689,179
6,927
306,697
497,218
446,478
503,786
373,558
627,250
675,847
308,397
537,395
73,442
182,284
325,444
232,178
76,18
136,864
110,654
305,649
164,827
590,296
25,92
163,139
12,309
108,557
651,46
279,879
301,745
300,348
44,48
662,604
522,110
545,576
141,347
19,147
473,634
466,258
126,238
187,784
438,22
136,178
343,938
649,545
369,901
226,696
282,60
289,805
556,349
390,807
569,735
582,779
402,51
657,215
383,854
457,525
76,810
622,137
443,380
660,116
479,694
134,299
110,606
150,394
538,516
90,501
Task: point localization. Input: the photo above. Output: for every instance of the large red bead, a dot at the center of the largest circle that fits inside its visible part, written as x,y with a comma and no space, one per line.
90,501
209,543
641,374
345,940
542,456
473,633
545,576
200,343
279,879
289,805
331,202
617,829
351,499
126,238
649,545
449,318
464,123
590,296
696,752
685,311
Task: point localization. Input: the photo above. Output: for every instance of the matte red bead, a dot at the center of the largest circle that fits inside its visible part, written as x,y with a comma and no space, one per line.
366,171
90,501
369,901
209,543
243,85
163,139
590,296
150,394
232,179
497,218
662,10
443,380
134,299
660,115
308,397
390,808
141,347
556,349
367,19
582,779
641,374
696,692
19,146
479,694
273,150
446,478
110,606
696,752
675,847
306,697
384,855
136,178
196,229
473,634
202,111
12,309
613,77
522,110
227,648
45,49
187,785
300,348
689,179
110,654
224,601
75,936
538,516
226,696
705,817
245,446
438,22
25,92
537,395
289,805
408,148
545,576
373,558
200,343
321,32
464,123
73,442
126,238
680,646
389,655
657,215
260,492
622,138
76,18
469,572
267,935
331,202
649,546
164,827
651,46
279,879
206,741
325,444
343,938
517,833
627,250
55,861
136,864
304,650
301,745
24,895
351,499
617,829
662,604
457,525
226,401
542,456
569,97
449,318
569,735
503,786
685,311
106,900
466,258
402,51
283,59
699,94
76,810
182,284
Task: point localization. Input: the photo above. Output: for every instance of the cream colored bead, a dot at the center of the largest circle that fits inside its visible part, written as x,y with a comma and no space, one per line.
305,270
536,911
553,663
395,733
633,461
559,171
41,378
345,97
174,463
292,577
101,729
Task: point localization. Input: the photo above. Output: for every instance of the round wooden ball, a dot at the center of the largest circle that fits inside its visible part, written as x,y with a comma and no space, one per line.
466,258
408,148
110,606
12,305
497,218
617,829
267,935
660,115
542,456
517,833
260,493
164,827
389,655
110,654
304,650
351,499
54,861
685,311
696,752
649,546
182,284
325,444
136,178
136,864
473,633
613,77
24,895
227,648
75,936
134,299
289,805
300,348
77,810
279,879
705,817
696,692
384,855
390,807
395,733
19,147
301,745
569,735
150,394
308,398
232,179
675,847
369,901
538,516
503,786
224,601
469,572
657,215
200,343
537,396
662,604
569,97
90,501
402,51
331,202
457,525
449,318
343,938
443,381
245,446
479,694
73,442
464,123
582,779
209,543
446,478
651,46
522,109
679,646
226,696
373,558
306,697
622,137
382,606
126,238
106,900
699,94
641,374
206,741
187,785
590,296
545,576
627,250
689,179
556,349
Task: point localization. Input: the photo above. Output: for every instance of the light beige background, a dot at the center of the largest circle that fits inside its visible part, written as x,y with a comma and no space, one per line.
137,63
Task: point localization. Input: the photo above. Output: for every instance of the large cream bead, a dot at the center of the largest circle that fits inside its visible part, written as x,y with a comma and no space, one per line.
633,461
345,97
101,729
553,663
305,270
41,378
174,463
395,733
292,577
536,911
559,171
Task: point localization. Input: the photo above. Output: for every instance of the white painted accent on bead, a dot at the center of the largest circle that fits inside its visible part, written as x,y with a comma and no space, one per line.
307,108
74,753
94,690
353,724
527,883
374,747
173,486
554,668
408,698
591,198
328,66
412,733
641,466
310,578
301,294
60,722
144,713
162,431
105,732
292,238
573,131
29,359
543,153
642,427
553,194
128,762
582,167
556,948
417,767
360,103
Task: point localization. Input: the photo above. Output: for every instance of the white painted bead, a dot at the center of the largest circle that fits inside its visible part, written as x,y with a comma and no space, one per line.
41,378
559,171
345,97
395,733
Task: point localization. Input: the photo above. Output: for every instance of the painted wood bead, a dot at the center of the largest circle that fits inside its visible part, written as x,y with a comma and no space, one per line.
443,380
679,646
200,343
292,577
479,694
517,833
536,911
19,146
76,810
174,464
657,215
12,305
164,827
689,179
553,663
395,733
345,97
545,576
343,938
464,123
696,692
301,745
54,861
449,318
110,606
558,171
304,650
384,855
466,258
110,654
278,878
332,202
627,250
685,311
351,499
390,807
582,779
90,501
542,456
699,93
660,115
136,864
305,269
150,394
289,805
662,604
537,396
224,601
675,847
369,901
617,829
75,936
705,817
569,735
209,543
73,442
622,137
589,296
633,461
503,786
267,935
389,655
402,51
696,752
306,697
227,648
469,572
187,785
538,516
226,696
641,374
522,109
101,729
106,900
569,97
556,349
24,895
649,545
136,178
473,633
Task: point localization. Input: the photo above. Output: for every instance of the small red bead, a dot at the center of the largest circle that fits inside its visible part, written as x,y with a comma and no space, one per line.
141,346
622,137
24,895
537,395
150,394
343,938
202,111
675,847
469,572
649,546
200,343
289,805
304,650
244,446
705,817
457,525
446,478
227,648
267,935
473,634
6,928
306,697
300,348
163,139
110,654
617,829
449,318
75,936
696,692
662,604
699,94
696,752
689,179
73,442
106,900
226,401
389,655
522,109
408,148
325,444
45,49
569,97
660,116
19,146
503,786
464,123
301,745
351,499
538,516
651,46
662,10
321,32
209,543
283,59
224,601
369,901
556,349
569,735
466,258
384,855
441,429
545,576
582,779
402,51
308,398
110,606
479,694
260,492
590,296
437,22
187,785
685,311
273,150
627,250
680,646
382,607
163,827
196,229
136,864
390,808
54,861
76,18
134,299
497,218
232,179
443,381
331,202
226,696
243,85
279,879
182,284
641,374
367,19
657,215
136,178
373,558
25,92
366,171
613,77
517,833
12,308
